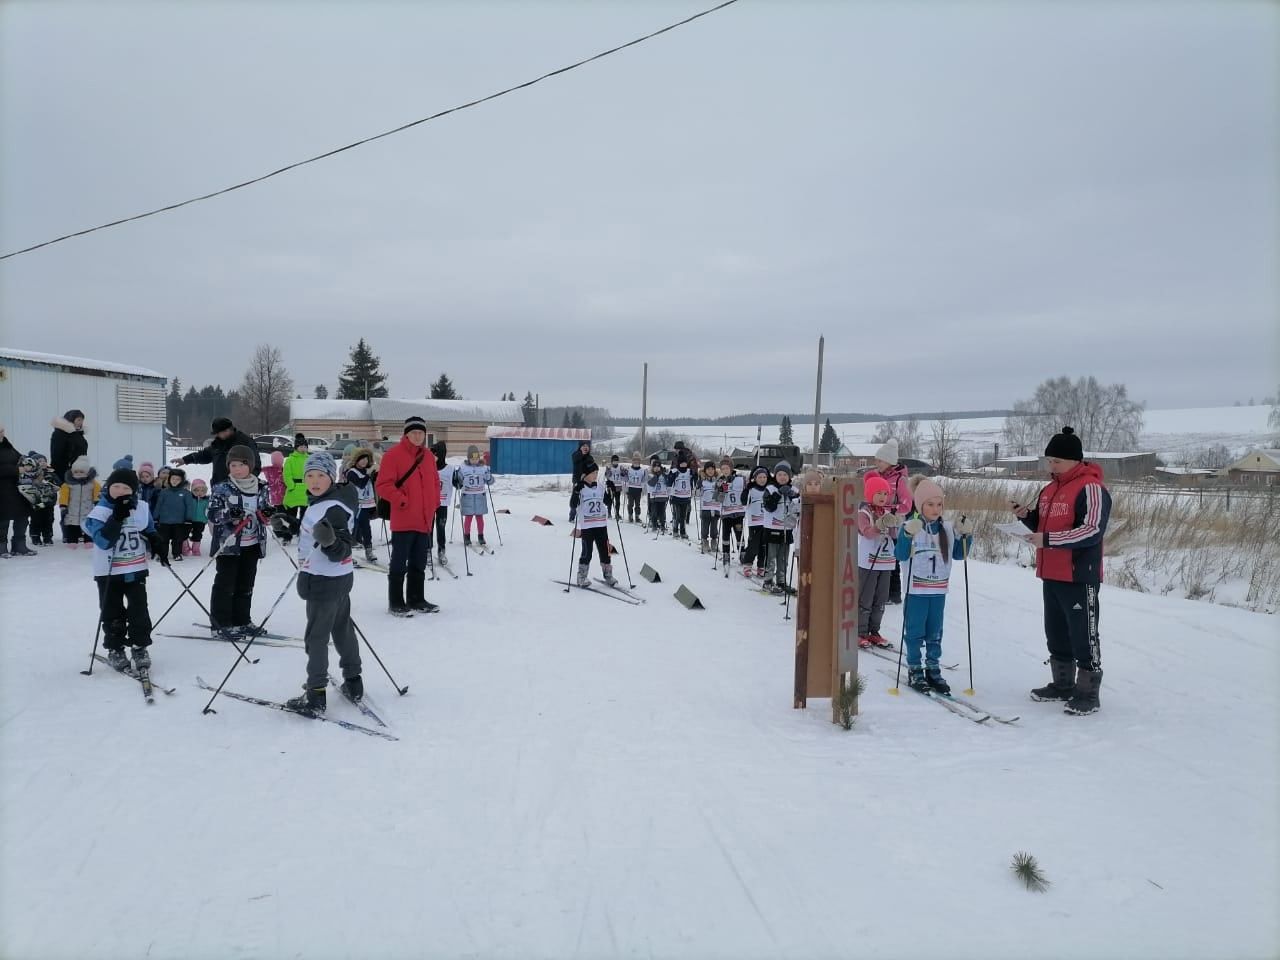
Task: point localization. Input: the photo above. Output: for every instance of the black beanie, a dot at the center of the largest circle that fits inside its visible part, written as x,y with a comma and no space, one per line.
1065,446
299,440
415,423
219,424
122,476
589,467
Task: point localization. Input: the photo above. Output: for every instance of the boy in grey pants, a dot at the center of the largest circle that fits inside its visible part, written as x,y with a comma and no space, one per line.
324,581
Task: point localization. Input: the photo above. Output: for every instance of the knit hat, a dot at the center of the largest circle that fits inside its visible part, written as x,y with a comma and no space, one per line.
757,471
888,451
473,451
589,467
198,484
81,464
635,454
922,489
726,462
122,475
415,423
299,440
614,458
221,423
872,484
277,458
1065,446
238,454
322,461
179,472
124,463
144,465
784,467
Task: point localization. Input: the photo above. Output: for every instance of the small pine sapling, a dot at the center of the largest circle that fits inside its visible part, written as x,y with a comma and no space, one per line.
850,690
1028,871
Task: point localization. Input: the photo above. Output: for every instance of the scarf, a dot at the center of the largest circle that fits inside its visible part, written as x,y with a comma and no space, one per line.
248,486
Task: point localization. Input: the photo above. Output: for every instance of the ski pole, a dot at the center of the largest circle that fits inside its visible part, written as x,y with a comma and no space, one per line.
787,586
573,547
399,689
493,511
453,520
902,642
94,655
187,589
623,544
195,578
968,630
253,635
466,560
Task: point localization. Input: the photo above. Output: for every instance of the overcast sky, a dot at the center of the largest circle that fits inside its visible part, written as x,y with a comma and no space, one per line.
965,198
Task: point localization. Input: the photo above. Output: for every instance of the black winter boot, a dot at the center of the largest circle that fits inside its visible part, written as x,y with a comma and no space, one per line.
395,595
1085,701
311,703
1063,684
353,687
416,598
20,548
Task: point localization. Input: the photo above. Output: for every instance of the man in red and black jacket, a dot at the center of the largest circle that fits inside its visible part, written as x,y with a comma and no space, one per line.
1070,520
408,480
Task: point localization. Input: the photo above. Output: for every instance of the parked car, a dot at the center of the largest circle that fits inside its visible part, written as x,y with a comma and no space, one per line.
317,443
268,442
768,455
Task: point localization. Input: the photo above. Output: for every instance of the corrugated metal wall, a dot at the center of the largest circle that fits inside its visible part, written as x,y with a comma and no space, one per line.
31,396
512,455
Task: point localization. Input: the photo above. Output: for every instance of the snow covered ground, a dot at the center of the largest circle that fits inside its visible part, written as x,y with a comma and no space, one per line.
1171,433
580,778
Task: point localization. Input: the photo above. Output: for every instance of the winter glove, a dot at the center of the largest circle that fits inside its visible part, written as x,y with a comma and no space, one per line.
913,526
964,526
235,512
771,501
888,522
323,532
282,525
159,549
121,509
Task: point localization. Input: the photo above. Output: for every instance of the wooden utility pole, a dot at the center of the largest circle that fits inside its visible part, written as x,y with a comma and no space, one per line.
644,408
817,404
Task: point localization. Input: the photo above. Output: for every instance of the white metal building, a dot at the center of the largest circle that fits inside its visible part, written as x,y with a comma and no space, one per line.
124,406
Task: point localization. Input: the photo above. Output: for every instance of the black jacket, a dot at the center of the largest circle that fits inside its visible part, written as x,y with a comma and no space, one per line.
12,503
65,445
579,458
216,453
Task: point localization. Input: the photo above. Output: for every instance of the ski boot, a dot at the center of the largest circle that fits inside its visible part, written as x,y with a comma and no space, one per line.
480,539
466,539
916,679
178,555
369,555
584,577
933,677
441,558
312,703
609,578
864,641
1085,700
353,687
1061,687
117,660
760,573
748,571
880,641
141,659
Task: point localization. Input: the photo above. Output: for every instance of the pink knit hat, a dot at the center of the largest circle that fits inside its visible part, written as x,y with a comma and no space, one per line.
277,458
147,465
922,488
872,484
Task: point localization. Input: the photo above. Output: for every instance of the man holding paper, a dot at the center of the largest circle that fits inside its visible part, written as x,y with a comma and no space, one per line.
1069,521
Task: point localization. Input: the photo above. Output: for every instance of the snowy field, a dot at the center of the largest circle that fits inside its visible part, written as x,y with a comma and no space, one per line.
580,778
1171,433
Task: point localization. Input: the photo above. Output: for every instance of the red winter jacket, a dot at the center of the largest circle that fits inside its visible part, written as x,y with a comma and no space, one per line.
414,503
1072,513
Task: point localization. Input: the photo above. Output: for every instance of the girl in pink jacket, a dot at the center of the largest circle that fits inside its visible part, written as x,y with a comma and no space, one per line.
274,475
899,502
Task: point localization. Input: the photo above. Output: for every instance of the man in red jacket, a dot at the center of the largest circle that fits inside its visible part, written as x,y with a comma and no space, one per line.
407,479
1070,519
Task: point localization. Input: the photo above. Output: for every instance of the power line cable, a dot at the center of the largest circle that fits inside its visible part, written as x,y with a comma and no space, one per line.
376,136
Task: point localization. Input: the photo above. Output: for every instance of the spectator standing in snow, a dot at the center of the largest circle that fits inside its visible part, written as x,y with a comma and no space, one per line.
900,501
15,509
1069,520
580,457
67,443
409,482
225,437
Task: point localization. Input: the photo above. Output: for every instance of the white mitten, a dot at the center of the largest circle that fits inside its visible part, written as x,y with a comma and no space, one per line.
913,526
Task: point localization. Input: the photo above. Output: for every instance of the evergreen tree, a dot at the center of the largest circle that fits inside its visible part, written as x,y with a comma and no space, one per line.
362,378
567,422
442,389
173,406
544,416
322,392
530,407
830,442
784,432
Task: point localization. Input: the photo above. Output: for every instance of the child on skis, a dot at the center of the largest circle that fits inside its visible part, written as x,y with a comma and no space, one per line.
236,510
359,476
122,533
680,480
635,487
709,506
781,514
173,509
877,537
476,479
295,488
449,480
77,496
591,502
199,516
754,558
659,491
614,481
44,498
325,579
928,548
730,488
274,475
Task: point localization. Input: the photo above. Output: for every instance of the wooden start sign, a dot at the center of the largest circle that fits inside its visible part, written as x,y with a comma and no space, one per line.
827,601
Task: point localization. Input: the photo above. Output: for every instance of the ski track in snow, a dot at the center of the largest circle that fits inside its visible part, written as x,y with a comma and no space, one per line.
579,778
